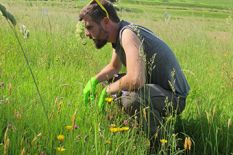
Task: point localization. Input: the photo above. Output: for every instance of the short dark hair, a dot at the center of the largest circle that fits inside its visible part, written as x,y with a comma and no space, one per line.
97,13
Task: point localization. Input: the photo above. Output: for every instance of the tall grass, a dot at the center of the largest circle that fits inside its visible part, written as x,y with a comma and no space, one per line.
62,66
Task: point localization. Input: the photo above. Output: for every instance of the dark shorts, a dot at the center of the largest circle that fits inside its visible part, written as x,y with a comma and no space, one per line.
150,104
154,97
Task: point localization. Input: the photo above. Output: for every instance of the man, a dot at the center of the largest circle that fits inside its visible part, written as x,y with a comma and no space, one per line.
154,80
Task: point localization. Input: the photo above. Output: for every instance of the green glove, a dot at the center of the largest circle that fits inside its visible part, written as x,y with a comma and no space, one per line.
90,89
101,102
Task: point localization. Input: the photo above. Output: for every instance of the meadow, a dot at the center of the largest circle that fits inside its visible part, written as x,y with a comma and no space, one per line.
200,34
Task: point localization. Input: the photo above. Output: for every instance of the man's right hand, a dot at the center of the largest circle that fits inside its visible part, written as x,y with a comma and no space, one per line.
90,90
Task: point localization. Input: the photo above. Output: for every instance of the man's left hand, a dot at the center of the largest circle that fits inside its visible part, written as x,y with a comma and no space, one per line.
101,102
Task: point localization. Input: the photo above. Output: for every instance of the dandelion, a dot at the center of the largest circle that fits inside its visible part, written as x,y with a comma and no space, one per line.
60,149
108,99
163,141
61,138
187,143
118,129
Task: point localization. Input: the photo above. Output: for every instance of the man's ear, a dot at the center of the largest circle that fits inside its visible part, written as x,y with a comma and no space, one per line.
105,20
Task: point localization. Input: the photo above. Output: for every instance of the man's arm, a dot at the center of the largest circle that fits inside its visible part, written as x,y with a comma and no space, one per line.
112,68
135,65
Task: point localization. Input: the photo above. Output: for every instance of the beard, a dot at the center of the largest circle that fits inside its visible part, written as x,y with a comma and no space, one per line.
101,39
99,43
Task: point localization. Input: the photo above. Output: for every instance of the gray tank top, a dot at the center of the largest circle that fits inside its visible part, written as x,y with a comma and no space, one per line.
162,67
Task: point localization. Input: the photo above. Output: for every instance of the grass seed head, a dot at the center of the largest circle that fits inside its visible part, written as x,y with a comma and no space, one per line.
73,119
80,32
9,89
7,15
229,123
25,32
108,142
23,152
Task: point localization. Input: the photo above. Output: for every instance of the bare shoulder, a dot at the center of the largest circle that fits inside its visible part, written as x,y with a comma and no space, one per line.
129,37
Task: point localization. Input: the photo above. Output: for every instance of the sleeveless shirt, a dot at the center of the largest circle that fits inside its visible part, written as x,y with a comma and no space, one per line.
162,67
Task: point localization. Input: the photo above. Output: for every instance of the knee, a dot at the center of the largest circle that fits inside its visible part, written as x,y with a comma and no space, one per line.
130,103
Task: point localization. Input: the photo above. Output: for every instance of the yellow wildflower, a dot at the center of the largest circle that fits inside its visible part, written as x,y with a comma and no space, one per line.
60,149
61,138
108,99
187,143
107,142
69,127
117,129
163,141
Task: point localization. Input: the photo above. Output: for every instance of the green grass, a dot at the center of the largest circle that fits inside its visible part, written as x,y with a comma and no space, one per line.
224,4
200,37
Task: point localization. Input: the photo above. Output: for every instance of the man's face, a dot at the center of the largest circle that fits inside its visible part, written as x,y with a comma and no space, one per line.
96,32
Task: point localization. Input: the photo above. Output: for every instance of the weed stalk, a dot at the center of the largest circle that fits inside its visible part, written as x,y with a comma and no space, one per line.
8,16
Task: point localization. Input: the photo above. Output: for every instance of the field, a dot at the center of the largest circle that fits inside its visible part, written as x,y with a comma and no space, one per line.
200,34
